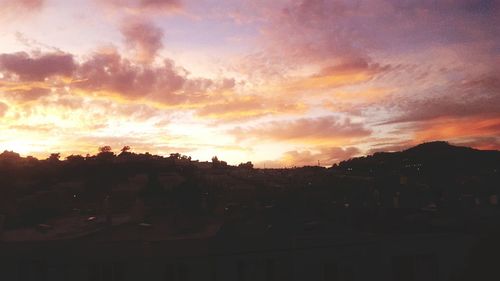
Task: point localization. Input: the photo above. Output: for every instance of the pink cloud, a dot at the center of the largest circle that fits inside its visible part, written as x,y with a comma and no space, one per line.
353,66
321,128
321,32
147,5
474,97
107,73
39,67
23,4
154,4
314,30
144,37
110,73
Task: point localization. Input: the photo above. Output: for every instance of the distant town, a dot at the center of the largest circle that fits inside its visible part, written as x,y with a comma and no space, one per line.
430,212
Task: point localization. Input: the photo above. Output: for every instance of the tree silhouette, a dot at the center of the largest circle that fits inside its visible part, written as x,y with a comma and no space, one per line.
247,165
105,153
54,157
105,149
75,158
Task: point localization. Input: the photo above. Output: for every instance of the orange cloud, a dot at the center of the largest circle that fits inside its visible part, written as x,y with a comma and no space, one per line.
238,108
456,128
346,73
3,109
24,91
364,96
327,81
486,143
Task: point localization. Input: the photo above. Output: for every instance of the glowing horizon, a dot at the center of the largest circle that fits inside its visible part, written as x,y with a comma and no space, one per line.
279,83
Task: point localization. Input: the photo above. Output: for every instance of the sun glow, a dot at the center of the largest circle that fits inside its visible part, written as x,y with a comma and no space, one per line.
22,147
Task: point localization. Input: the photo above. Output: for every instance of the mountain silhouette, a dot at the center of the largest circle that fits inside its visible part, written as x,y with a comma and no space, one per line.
436,157
436,146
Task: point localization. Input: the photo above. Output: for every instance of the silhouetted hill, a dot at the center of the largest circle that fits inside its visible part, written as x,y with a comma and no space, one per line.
437,157
436,147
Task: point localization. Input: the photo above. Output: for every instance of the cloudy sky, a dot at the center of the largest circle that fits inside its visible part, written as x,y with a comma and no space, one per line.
281,83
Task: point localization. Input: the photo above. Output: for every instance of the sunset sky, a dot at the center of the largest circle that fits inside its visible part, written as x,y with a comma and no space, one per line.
279,83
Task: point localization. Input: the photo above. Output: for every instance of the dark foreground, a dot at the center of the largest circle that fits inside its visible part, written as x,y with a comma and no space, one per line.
428,213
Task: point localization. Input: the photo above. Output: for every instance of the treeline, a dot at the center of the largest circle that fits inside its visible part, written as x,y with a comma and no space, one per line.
33,189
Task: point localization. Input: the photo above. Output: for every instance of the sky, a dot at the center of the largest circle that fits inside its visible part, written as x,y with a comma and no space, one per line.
280,83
